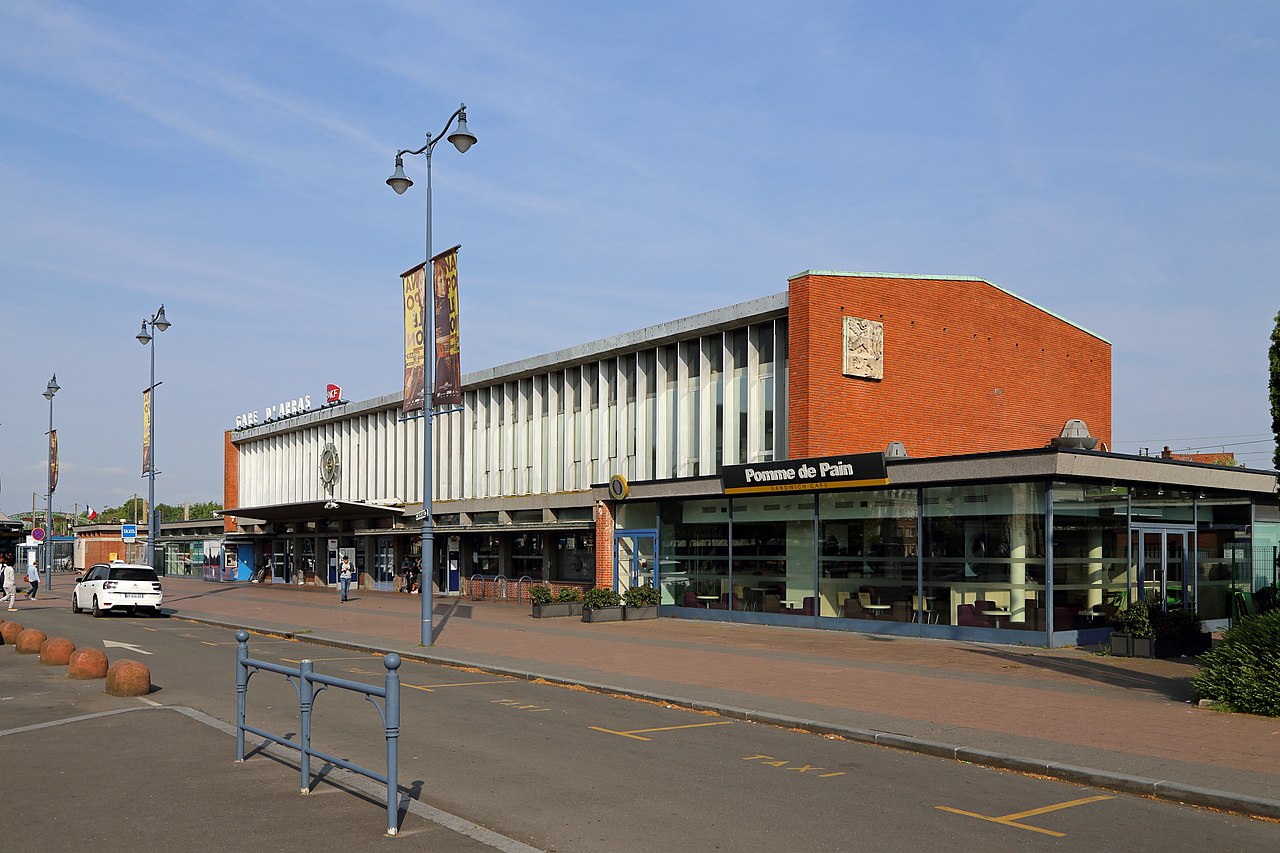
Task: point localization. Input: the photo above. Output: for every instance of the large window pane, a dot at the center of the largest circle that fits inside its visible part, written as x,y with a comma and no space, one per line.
1222,554
773,553
984,555
1090,554
868,555
693,560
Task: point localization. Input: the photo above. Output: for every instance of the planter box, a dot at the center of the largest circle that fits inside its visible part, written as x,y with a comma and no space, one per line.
647,612
557,608
602,614
1121,645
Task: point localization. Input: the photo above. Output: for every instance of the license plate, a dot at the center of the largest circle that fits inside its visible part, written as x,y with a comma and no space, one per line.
134,595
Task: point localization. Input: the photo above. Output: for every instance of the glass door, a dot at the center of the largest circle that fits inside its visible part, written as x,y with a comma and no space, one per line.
1161,556
634,559
384,564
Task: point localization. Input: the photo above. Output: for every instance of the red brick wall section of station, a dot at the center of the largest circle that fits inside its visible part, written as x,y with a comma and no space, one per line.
604,545
968,368
230,481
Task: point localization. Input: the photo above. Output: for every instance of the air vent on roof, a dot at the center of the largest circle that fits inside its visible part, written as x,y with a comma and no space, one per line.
895,450
1075,434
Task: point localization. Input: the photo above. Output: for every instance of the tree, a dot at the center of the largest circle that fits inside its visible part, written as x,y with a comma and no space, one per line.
1275,388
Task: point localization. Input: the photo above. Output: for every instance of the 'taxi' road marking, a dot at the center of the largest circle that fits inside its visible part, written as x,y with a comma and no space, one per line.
634,734
428,688
1012,819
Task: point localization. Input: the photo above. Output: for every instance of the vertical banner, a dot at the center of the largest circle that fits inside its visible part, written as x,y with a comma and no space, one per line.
447,390
414,337
53,461
146,432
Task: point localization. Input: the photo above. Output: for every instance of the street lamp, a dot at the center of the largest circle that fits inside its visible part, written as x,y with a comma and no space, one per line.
462,139
158,322
51,389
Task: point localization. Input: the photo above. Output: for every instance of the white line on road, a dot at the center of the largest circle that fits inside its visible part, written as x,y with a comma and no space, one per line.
112,644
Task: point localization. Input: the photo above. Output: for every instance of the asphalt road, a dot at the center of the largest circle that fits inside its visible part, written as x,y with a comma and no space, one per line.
566,770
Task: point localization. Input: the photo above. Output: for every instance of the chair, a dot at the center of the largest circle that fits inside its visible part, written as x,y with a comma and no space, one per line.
927,614
967,615
691,598
772,603
806,606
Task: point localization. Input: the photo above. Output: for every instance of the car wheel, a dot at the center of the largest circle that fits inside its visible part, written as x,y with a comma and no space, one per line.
98,611
75,605
155,613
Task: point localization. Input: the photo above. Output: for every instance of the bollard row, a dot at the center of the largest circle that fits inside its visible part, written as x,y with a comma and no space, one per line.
123,678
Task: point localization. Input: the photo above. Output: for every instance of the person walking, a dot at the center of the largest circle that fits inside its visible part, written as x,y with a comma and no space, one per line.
33,578
345,574
8,585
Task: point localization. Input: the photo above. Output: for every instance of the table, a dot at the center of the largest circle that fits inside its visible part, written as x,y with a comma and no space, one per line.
996,615
876,609
707,599
756,602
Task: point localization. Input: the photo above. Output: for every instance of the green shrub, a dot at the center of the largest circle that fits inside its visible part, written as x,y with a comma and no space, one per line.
540,594
640,596
1182,624
1134,619
598,597
1243,670
569,594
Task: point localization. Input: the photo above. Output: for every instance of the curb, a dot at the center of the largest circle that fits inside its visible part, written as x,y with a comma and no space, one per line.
1160,789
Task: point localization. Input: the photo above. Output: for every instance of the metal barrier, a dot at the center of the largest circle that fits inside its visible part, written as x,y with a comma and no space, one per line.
306,678
522,583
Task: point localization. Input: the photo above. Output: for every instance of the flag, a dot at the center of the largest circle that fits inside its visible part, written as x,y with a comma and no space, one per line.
92,513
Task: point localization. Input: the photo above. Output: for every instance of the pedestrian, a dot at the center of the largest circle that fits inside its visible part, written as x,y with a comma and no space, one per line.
33,578
8,586
345,575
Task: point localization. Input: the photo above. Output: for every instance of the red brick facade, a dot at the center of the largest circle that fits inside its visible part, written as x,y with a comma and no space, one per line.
230,480
604,545
968,368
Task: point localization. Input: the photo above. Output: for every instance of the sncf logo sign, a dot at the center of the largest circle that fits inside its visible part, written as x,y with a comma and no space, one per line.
334,392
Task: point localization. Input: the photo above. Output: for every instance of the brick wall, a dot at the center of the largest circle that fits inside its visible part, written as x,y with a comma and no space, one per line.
604,545
968,368
230,480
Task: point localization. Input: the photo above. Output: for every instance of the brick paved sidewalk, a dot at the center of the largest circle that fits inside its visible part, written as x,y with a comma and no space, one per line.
1115,714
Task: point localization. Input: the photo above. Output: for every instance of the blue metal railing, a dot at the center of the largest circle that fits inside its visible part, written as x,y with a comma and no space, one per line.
304,679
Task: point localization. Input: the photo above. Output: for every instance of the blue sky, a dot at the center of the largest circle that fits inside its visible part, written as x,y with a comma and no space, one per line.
637,163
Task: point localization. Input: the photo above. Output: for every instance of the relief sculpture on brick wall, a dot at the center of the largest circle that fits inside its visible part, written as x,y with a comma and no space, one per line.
863,348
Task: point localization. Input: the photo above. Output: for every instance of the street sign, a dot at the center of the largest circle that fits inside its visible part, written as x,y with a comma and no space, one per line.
38,534
129,532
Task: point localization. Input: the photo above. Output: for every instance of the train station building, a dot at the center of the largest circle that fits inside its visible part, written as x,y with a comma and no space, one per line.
897,454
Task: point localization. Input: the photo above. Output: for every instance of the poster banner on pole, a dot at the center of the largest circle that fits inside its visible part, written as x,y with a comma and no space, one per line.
146,432
414,334
53,461
447,389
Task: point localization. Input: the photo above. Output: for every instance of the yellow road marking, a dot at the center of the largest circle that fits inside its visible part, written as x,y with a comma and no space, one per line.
1012,819
634,734
430,687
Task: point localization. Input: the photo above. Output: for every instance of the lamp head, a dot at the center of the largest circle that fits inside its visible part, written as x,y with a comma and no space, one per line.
52,388
399,181
161,322
462,138
144,337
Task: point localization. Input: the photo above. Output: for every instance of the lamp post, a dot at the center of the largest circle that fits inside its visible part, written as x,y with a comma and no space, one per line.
157,322
462,139
49,391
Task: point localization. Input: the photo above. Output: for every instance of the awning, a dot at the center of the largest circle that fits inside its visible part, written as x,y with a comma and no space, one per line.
312,511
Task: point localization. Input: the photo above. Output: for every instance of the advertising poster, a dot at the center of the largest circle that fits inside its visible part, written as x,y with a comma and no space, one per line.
447,390
146,432
53,461
414,337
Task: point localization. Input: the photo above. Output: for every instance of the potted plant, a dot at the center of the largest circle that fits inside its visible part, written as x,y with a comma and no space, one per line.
1179,632
1131,624
571,596
601,605
640,602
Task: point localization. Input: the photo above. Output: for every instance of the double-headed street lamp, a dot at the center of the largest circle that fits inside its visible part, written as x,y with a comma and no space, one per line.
157,322
462,139
49,391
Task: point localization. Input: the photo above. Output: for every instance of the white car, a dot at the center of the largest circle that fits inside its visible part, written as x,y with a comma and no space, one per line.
118,586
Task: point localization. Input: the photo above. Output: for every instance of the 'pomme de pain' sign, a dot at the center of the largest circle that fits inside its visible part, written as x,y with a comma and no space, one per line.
805,475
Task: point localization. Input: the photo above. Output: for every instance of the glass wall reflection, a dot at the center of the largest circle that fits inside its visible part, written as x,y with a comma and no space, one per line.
868,556
693,557
1091,577
773,554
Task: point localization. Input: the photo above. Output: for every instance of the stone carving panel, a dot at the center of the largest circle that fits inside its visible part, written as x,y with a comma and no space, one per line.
863,348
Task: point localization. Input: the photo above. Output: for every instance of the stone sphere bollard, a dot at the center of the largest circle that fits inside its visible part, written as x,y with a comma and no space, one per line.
87,663
128,678
9,632
29,641
56,651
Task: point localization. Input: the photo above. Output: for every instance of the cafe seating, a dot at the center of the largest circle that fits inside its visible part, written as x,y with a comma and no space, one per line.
967,615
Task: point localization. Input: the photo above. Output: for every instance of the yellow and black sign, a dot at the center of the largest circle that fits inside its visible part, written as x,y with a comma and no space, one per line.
806,475
618,487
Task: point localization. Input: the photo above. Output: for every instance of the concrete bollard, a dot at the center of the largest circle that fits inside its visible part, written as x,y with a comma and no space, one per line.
9,632
56,651
29,641
87,663
128,678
